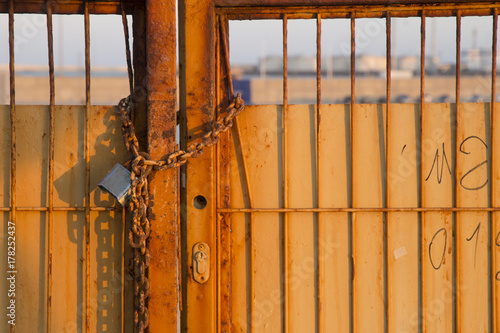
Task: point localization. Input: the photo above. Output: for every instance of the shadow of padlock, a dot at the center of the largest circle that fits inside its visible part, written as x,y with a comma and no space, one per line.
117,183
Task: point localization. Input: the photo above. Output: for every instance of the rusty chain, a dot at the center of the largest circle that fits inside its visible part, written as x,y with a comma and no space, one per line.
141,165
180,157
139,202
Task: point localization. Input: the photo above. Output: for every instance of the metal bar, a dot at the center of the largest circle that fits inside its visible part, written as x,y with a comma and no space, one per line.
242,3
493,283
455,230
353,66
261,13
123,270
388,51
337,10
127,51
422,64
239,137
139,68
197,106
224,266
252,226
351,136
388,64
51,161
284,116
279,210
13,173
163,272
221,167
227,60
87,166
421,173
12,114
458,59
359,210
69,7
61,209
319,276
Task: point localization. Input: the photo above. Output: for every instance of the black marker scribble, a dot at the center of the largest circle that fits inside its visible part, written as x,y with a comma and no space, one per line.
444,248
474,188
476,232
439,173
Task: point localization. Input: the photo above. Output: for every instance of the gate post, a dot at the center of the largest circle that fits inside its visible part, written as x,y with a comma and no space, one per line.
161,138
197,100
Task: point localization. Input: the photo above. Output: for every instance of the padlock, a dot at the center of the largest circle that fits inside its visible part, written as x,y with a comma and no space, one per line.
117,183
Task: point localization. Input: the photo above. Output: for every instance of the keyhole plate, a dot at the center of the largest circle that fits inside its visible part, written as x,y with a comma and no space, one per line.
201,262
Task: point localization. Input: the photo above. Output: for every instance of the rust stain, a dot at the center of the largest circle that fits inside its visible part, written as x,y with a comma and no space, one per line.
161,124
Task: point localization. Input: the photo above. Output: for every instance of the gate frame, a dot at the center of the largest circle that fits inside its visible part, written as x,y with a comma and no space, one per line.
160,62
207,307
154,27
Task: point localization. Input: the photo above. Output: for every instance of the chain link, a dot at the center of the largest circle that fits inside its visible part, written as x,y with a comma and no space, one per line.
139,203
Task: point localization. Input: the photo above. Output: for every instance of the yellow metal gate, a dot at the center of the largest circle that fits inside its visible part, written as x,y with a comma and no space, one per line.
338,218
304,218
66,262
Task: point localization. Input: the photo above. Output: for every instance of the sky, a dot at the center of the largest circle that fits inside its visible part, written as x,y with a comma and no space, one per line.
106,35
249,40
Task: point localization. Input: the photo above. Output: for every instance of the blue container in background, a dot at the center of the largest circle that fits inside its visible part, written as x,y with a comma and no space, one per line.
243,87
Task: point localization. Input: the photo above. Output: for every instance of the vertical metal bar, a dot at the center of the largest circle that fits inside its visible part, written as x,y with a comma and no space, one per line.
351,134
87,165
252,224
284,117
422,63
388,62
493,285
221,167
224,41
161,86
139,66
224,151
132,116
122,271
223,163
226,59
387,119
353,62
127,49
458,59
319,276
456,230
50,42
13,174
421,173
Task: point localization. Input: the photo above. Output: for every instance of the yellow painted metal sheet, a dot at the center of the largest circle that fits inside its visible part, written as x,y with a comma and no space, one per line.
108,277
302,243
411,270
262,155
261,146
437,167
368,228
402,228
392,275
472,227
335,174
